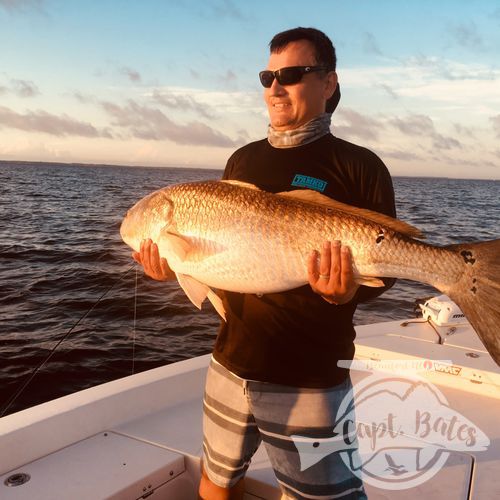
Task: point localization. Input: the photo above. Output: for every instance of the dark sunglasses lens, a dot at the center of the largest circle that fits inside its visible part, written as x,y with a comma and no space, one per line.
289,76
266,78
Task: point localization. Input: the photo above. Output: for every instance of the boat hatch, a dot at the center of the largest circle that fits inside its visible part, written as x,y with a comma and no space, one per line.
107,465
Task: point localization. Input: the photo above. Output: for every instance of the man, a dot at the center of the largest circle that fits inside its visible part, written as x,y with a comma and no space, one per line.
274,370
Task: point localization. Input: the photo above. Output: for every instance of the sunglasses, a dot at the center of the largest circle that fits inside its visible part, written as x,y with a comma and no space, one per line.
288,76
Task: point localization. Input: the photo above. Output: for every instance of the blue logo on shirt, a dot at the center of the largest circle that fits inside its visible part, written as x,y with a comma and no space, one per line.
309,182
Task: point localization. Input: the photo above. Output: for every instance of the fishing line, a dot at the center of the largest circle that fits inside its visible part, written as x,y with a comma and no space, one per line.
135,319
65,336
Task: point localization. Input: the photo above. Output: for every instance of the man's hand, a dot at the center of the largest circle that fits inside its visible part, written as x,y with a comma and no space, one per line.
333,278
154,266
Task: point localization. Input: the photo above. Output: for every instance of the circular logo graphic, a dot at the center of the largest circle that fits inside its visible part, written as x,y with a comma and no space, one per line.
398,431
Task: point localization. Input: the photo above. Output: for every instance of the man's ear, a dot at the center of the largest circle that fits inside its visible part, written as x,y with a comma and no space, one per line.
330,84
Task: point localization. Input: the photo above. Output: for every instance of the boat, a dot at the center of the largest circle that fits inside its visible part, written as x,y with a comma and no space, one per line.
140,436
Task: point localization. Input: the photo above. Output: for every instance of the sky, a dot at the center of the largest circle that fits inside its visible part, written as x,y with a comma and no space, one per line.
175,83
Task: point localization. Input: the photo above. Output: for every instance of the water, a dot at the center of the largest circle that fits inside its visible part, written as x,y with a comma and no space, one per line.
60,250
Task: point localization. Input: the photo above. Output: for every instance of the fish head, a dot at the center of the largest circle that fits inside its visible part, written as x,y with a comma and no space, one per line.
147,218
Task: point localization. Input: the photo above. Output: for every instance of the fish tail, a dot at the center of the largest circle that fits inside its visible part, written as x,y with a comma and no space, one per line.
477,293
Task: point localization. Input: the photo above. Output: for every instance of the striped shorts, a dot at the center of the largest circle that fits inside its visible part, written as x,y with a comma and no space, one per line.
239,414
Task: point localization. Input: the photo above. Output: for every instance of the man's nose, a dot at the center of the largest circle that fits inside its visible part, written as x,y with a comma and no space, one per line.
276,88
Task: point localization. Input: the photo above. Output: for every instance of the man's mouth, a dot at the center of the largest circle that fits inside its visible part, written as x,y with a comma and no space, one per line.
280,105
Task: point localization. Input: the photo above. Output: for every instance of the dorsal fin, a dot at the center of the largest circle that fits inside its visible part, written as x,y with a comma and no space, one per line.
242,184
315,198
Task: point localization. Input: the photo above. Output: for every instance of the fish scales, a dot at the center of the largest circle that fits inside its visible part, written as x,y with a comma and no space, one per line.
285,231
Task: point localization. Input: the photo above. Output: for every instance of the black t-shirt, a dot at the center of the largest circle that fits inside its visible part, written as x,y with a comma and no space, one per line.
295,337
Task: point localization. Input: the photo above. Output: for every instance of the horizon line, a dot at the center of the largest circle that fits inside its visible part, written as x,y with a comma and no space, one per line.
193,167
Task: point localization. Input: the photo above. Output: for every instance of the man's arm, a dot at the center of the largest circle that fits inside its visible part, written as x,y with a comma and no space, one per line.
375,192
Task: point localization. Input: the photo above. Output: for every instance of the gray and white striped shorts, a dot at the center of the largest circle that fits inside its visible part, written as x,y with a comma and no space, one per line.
238,414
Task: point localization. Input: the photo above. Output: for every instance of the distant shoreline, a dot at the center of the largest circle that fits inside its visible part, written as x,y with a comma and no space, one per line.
176,167
107,165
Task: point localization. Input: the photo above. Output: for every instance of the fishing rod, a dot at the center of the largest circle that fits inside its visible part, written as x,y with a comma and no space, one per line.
14,397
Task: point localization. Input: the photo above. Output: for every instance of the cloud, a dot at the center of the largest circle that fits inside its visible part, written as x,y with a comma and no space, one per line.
495,120
370,45
149,123
131,74
83,98
464,131
214,9
467,35
421,125
400,155
24,88
443,142
389,90
184,102
41,121
226,8
195,74
355,124
414,125
449,70
228,78
21,5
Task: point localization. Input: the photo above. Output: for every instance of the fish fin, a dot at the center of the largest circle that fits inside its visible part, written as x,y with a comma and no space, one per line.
195,290
177,244
477,292
185,248
369,281
217,303
313,197
308,195
241,184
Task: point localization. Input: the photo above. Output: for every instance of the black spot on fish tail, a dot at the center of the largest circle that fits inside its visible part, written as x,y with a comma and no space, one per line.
468,257
473,289
380,237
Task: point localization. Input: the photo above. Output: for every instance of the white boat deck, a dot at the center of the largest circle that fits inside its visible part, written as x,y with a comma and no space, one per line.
140,437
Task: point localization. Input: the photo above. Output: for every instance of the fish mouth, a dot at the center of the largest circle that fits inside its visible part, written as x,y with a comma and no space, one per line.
128,230
125,229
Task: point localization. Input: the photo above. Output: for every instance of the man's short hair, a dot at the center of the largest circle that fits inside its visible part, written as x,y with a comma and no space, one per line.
323,47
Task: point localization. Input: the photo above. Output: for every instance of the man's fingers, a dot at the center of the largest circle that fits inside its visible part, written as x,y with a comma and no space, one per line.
155,259
146,253
325,261
333,276
335,262
155,267
312,266
165,267
346,275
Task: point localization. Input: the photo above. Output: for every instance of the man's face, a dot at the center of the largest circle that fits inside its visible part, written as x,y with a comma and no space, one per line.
291,106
